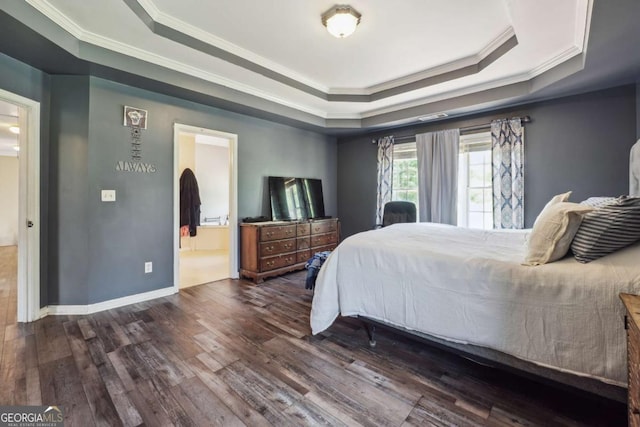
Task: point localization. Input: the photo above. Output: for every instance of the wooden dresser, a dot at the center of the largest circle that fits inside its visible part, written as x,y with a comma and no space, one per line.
276,247
632,325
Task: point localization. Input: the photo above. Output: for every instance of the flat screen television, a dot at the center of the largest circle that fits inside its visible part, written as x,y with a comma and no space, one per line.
295,198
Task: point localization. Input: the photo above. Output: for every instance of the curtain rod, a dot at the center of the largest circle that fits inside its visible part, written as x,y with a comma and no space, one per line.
469,129
466,129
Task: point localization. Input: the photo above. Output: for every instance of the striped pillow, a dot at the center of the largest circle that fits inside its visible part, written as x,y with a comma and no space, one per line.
598,202
605,230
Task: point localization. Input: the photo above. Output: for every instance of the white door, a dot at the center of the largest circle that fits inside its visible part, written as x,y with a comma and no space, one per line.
28,206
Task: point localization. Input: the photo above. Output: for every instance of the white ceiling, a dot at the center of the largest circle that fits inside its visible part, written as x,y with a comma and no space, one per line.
280,52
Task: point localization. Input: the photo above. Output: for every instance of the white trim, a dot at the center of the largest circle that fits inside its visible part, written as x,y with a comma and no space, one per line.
179,128
583,19
437,70
109,304
163,61
558,59
62,20
81,34
582,24
206,37
28,292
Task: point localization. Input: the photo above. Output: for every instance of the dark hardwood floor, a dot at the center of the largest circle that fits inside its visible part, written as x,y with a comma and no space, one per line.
234,353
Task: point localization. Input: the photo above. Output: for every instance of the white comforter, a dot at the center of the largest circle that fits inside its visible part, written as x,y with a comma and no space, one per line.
469,286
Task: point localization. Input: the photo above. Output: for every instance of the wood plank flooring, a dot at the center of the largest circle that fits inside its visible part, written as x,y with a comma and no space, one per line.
232,353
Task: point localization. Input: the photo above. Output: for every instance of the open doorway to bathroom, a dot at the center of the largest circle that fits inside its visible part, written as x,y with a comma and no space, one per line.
207,247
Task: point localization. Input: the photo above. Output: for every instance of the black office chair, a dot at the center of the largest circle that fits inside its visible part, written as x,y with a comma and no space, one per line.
398,211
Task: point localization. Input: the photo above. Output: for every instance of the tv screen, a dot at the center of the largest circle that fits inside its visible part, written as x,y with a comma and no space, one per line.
295,198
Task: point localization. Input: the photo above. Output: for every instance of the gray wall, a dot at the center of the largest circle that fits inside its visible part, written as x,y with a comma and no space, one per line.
579,143
68,211
93,251
138,227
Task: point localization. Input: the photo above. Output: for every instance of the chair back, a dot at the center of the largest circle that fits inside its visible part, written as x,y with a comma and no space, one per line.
398,211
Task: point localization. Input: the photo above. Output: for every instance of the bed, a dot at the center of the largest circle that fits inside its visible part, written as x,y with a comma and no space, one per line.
467,289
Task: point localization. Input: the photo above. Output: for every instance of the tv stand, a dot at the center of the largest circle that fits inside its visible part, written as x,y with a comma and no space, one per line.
272,248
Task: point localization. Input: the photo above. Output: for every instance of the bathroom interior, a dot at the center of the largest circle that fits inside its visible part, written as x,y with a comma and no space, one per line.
204,257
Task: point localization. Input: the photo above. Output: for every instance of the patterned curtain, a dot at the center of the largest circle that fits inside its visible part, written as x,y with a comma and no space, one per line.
507,149
385,174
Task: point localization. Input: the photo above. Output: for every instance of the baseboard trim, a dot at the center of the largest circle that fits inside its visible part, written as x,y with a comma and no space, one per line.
73,310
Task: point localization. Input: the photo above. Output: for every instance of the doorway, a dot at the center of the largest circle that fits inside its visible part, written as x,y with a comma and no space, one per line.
19,223
206,252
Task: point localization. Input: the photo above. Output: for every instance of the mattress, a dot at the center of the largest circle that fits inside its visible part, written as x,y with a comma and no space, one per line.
468,286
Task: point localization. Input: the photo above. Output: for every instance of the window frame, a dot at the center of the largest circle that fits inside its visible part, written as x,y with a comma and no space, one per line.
473,142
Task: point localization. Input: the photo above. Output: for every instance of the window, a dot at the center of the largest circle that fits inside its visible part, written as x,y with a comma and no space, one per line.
405,173
475,191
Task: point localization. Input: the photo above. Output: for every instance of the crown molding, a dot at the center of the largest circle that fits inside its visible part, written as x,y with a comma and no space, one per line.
204,81
471,60
163,61
183,27
203,41
447,95
582,24
561,57
64,22
83,35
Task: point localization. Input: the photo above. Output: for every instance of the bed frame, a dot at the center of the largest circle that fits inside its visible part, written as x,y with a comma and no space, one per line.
497,359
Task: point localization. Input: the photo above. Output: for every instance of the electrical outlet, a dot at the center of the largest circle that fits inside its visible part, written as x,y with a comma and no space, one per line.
108,195
148,267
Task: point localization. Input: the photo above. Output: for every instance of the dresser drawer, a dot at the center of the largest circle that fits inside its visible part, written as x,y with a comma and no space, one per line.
303,243
303,229
303,256
323,227
277,232
271,263
323,248
323,239
269,249
277,247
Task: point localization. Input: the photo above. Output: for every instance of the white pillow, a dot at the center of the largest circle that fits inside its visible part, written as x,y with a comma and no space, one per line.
558,198
553,232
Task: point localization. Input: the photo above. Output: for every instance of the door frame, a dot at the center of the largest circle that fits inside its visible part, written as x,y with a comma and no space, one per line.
179,128
28,292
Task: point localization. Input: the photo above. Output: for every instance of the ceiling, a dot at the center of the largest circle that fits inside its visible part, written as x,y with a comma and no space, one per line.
406,60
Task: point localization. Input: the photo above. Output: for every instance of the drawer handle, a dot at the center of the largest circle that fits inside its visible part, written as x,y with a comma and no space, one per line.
269,248
269,234
289,231
288,246
289,259
270,263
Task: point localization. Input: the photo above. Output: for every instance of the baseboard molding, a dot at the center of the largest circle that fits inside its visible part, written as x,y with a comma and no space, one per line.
57,310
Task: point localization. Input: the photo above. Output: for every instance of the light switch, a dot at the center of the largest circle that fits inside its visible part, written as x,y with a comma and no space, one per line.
108,195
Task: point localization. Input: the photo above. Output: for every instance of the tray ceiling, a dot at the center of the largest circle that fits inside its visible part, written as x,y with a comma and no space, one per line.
406,59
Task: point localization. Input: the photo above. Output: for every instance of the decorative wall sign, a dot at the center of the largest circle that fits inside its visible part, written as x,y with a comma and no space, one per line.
136,119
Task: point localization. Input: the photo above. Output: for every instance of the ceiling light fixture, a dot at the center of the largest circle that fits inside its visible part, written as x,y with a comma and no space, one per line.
341,20
14,129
